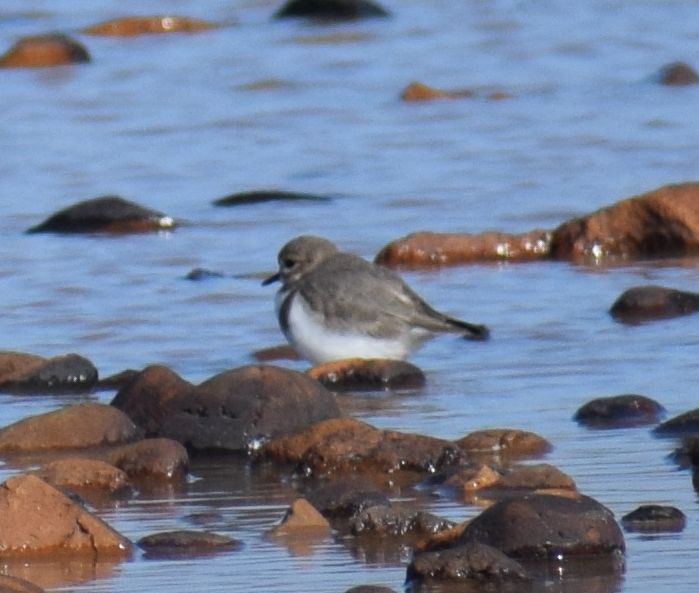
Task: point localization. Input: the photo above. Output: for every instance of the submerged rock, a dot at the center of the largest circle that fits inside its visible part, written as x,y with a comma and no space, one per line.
145,25
619,411
83,474
40,51
649,303
686,424
547,526
654,518
236,410
108,214
72,427
360,374
345,498
268,195
677,74
183,543
435,249
38,519
331,10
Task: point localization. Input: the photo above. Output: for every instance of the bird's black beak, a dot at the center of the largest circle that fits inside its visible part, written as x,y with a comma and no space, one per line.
274,278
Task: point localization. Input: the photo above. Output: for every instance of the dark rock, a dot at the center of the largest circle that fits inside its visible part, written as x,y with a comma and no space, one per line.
686,424
649,303
38,520
153,458
385,520
654,519
342,499
346,446
331,10
506,443
144,25
71,373
620,411
40,51
440,249
262,195
370,589
677,74
660,223
198,274
72,427
547,526
359,374
183,543
472,561
236,410
108,214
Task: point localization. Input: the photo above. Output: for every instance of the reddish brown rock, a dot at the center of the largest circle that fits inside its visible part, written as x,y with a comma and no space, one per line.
235,410
40,51
28,374
659,223
282,352
183,543
331,10
546,526
345,446
506,443
620,411
10,584
145,25
360,374
35,518
107,214
653,518
152,458
649,303
439,249
677,74
542,476
80,474
417,91
302,516
72,427
472,561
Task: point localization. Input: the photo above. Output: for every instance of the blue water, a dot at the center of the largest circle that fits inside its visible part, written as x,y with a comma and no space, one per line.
175,122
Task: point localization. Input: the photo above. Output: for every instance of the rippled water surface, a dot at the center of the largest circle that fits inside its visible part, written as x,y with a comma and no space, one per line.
175,122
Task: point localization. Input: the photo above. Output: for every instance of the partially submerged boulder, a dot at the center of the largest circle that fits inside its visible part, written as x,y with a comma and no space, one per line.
30,374
41,51
649,303
620,411
146,25
361,374
331,10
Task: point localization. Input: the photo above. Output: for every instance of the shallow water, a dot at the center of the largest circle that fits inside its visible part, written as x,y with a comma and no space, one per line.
175,122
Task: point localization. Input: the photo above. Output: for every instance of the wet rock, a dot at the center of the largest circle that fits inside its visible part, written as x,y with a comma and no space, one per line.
145,25
37,519
302,517
547,526
654,519
28,374
108,214
40,51
619,411
236,410
116,381
282,352
345,498
417,91
384,521
83,474
439,249
472,561
370,589
268,195
331,10
660,223
152,458
72,427
183,543
506,443
10,584
345,446
359,374
686,424
649,303
677,74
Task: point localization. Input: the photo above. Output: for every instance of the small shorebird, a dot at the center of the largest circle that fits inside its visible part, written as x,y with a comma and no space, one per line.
335,305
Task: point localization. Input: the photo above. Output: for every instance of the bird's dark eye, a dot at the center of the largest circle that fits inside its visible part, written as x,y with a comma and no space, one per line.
288,263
